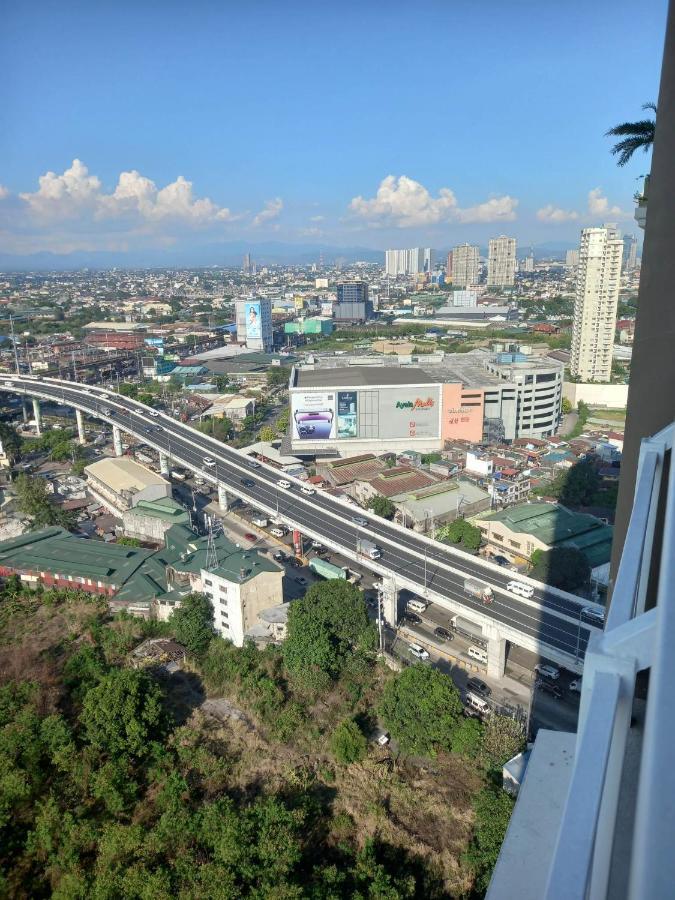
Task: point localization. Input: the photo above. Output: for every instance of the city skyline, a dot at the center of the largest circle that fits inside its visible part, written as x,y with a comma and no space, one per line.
108,149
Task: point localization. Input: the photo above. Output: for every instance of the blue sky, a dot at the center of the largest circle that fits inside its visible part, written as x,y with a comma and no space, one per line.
365,123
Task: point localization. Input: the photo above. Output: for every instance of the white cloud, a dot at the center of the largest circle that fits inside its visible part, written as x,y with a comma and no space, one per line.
272,210
4,192
554,215
76,193
316,218
405,203
598,206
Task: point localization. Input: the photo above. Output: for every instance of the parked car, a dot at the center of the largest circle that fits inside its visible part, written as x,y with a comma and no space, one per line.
476,686
250,537
594,615
547,671
277,532
500,560
280,556
418,652
411,618
443,633
301,580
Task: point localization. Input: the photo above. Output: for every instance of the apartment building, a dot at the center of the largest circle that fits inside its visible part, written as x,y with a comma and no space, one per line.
413,261
501,261
465,265
595,305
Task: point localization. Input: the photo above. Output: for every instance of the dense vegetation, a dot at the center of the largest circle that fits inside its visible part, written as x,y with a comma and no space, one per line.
462,533
117,782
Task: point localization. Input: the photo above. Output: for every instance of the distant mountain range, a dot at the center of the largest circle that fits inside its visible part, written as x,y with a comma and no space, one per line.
229,254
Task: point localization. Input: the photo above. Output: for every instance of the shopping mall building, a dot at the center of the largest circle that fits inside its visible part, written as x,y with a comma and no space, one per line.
351,405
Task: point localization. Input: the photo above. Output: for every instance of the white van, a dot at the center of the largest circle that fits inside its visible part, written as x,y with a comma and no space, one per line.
478,653
260,521
278,532
306,489
286,485
418,606
521,590
473,701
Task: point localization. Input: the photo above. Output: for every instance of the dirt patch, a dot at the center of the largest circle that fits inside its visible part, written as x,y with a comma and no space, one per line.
223,709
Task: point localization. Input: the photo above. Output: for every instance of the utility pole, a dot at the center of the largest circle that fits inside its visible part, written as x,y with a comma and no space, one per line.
16,351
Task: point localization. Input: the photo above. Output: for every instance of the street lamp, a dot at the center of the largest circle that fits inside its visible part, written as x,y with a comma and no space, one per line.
576,658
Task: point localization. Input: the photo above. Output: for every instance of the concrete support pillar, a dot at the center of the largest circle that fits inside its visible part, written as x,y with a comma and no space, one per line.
496,655
24,412
79,418
223,499
37,415
390,601
117,441
164,464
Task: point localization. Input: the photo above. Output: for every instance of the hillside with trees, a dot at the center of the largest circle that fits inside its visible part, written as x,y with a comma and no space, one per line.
247,774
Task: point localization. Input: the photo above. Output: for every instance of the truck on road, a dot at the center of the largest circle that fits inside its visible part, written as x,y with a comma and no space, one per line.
477,589
329,571
368,548
468,629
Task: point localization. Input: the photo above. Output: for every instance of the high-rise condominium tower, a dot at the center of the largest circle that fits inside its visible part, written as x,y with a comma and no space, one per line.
597,297
414,261
465,265
501,262
572,258
629,252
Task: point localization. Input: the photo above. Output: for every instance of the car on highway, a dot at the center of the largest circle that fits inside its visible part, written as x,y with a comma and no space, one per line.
301,580
253,464
418,652
153,413
250,537
104,396
547,671
520,589
286,485
549,688
443,633
248,482
305,489
209,462
360,520
106,411
411,618
594,615
476,686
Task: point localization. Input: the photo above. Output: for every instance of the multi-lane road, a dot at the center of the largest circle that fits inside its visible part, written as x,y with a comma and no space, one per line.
550,618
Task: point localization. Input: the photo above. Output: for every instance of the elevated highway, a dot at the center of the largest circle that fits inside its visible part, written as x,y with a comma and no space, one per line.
549,623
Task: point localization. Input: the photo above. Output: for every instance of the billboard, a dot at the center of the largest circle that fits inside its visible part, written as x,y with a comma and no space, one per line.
409,412
347,420
313,415
253,318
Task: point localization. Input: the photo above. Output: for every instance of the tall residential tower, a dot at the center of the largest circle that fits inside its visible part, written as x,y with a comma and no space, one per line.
597,297
501,262
465,265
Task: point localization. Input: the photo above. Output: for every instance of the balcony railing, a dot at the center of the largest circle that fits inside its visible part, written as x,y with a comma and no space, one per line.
621,753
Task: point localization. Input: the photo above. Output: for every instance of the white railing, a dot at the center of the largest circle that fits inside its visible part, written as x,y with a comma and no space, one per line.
634,640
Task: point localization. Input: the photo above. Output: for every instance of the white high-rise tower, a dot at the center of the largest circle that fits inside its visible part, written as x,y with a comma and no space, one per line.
465,265
501,262
597,297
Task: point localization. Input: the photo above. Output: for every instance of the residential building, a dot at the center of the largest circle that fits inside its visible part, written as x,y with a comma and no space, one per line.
352,292
246,267
465,265
629,256
501,262
572,259
595,306
464,298
254,323
120,483
149,520
414,261
448,267
352,304
520,530
508,487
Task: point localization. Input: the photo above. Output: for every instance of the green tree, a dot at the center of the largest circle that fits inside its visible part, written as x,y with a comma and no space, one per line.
267,433
283,420
421,707
222,381
11,442
123,714
348,743
492,807
128,542
324,628
221,429
33,500
635,136
460,532
566,406
192,623
503,738
278,376
563,567
467,737
381,506
128,390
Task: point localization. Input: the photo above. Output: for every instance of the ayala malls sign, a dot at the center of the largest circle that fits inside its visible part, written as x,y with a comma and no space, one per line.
418,403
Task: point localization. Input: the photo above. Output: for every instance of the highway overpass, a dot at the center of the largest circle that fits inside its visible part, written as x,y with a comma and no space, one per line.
549,623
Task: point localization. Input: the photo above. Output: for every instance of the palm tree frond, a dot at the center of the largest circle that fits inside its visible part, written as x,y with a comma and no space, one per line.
635,135
643,128
649,106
